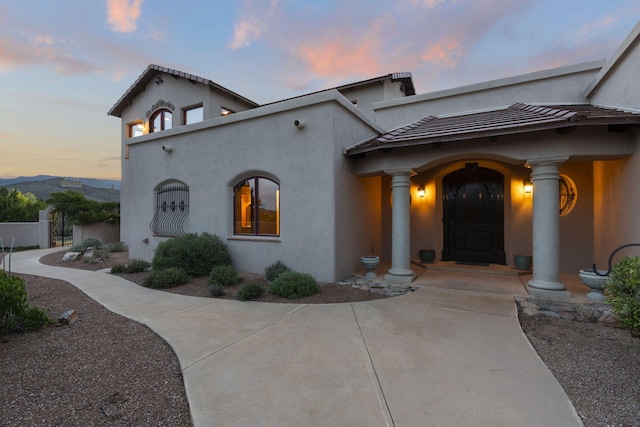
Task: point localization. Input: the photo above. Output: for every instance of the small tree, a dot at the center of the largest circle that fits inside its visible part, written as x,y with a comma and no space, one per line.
83,211
18,207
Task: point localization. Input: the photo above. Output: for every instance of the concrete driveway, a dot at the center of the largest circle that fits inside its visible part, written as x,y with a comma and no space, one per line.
451,353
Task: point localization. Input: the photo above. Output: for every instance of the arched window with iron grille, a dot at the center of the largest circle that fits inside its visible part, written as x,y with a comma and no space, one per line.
171,210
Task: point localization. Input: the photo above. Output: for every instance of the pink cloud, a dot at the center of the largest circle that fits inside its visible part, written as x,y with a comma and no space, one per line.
445,53
257,17
123,14
246,30
340,56
14,53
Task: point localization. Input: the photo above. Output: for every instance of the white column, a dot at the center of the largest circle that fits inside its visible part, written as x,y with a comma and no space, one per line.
400,270
546,224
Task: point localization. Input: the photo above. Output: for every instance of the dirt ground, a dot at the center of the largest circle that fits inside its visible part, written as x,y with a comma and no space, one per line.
108,370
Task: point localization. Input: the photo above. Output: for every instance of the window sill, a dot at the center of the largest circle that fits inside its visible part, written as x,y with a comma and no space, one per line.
255,239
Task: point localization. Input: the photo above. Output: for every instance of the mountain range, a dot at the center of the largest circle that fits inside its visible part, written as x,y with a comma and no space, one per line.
93,182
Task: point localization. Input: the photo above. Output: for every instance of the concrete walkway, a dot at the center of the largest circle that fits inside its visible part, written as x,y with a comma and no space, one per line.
448,354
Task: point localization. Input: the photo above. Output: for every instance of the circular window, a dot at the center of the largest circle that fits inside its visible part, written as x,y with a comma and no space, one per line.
568,195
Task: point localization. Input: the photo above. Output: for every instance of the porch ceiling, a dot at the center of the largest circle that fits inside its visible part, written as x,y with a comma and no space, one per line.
514,119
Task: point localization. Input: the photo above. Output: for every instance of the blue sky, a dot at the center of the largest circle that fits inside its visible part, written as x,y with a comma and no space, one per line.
63,64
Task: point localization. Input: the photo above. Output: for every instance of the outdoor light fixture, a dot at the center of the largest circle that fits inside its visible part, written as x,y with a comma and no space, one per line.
421,191
528,186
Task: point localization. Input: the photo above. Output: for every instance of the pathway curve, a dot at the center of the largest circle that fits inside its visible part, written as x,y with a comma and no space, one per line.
443,355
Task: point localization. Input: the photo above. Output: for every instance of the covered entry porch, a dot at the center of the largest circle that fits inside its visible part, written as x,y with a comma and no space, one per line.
527,145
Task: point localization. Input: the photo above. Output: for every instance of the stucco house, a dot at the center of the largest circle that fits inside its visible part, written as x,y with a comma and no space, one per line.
546,163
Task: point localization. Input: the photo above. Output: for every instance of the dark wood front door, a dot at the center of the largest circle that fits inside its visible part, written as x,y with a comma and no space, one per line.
474,216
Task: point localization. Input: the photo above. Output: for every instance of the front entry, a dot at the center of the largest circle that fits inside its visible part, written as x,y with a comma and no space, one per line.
473,216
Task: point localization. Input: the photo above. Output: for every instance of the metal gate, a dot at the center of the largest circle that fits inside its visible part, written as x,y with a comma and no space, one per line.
60,229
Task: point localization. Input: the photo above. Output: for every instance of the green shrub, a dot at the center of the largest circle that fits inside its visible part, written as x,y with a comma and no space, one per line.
119,269
89,242
223,275
15,314
116,247
167,278
195,254
250,291
216,290
138,266
135,266
274,270
292,284
623,292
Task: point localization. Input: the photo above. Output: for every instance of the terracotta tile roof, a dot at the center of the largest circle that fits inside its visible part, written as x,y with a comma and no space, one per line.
516,118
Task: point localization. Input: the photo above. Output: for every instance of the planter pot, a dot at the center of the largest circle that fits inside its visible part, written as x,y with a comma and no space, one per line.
370,262
523,261
427,255
595,283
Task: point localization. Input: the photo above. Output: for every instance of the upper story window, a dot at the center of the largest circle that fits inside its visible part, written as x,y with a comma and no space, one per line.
225,111
136,129
256,207
161,120
193,114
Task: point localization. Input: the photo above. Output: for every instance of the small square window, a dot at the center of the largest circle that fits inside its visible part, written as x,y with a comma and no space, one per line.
136,129
193,115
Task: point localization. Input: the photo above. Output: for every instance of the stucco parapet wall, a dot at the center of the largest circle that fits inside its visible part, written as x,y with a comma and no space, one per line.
260,112
492,84
613,61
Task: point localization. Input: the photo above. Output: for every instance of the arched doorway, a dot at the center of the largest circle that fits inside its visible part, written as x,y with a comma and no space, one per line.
473,217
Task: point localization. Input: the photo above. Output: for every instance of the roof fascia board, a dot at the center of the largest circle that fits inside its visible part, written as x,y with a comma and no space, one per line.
493,84
614,60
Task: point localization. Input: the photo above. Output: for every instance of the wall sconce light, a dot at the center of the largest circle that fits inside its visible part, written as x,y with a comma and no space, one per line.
421,191
528,186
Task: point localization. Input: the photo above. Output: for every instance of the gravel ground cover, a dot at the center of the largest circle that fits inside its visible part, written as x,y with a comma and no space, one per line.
106,370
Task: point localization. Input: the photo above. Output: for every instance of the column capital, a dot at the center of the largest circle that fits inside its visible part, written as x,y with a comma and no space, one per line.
401,172
547,161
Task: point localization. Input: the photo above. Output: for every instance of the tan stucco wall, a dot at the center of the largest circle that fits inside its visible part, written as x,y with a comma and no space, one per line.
617,84
576,228
108,233
316,223
563,85
617,207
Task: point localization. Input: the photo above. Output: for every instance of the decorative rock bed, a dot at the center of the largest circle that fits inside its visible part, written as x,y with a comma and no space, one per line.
387,289
583,312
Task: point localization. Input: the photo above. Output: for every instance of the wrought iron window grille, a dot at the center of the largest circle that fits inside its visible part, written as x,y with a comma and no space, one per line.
172,209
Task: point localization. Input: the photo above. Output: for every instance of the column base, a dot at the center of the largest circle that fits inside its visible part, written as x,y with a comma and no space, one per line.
547,293
546,285
400,276
548,289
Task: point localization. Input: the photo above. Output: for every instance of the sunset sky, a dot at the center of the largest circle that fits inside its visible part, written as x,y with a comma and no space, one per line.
63,64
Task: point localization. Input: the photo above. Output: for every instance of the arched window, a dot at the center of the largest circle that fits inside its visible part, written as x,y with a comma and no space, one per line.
171,210
161,120
256,207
